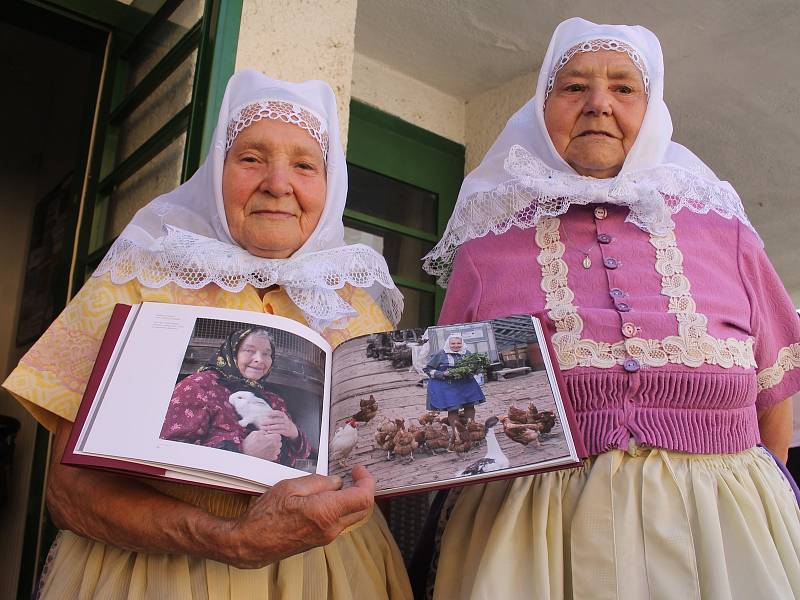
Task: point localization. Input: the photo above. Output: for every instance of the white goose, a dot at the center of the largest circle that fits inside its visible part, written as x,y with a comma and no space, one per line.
494,460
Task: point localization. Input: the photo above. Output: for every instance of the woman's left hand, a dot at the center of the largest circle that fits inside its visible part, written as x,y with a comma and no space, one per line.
279,422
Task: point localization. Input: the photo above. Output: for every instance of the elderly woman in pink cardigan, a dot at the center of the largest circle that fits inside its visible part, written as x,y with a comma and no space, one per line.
678,344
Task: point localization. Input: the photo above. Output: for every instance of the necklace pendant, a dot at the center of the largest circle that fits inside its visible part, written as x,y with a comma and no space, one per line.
587,262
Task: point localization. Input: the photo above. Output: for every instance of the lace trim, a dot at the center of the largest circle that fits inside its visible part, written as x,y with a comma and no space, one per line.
193,261
788,360
693,346
278,110
535,191
595,46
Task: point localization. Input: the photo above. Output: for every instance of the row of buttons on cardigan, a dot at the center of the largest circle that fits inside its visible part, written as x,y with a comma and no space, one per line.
629,330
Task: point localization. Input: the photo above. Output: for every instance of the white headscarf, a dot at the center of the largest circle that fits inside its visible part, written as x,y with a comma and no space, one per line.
452,337
523,178
182,237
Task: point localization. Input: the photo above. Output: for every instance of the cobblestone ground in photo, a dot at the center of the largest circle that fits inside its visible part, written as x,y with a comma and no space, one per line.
356,377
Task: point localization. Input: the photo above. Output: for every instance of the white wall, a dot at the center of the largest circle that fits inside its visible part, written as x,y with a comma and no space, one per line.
296,41
396,93
487,113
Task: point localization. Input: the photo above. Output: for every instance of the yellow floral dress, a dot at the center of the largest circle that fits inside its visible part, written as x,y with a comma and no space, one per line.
363,563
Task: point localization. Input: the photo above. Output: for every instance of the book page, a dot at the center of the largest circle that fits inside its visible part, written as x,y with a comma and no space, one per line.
431,408
191,384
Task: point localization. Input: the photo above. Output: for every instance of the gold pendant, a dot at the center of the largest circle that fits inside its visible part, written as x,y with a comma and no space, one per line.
587,262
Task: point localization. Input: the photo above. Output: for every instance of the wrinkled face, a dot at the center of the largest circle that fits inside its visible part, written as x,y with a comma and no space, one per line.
456,344
254,356
273,188
595,111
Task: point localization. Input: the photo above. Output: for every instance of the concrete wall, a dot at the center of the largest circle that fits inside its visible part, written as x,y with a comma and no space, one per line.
487,113
296,41
396,93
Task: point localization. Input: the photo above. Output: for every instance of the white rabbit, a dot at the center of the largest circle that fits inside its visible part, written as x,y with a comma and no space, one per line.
250,407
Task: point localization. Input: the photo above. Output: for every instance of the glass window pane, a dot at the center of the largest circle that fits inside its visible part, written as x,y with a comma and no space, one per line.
174,93
163,38
418,310
392,200
160,175
403,254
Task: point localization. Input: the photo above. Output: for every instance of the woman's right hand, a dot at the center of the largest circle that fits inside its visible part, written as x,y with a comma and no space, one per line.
127,513
262,445
297,515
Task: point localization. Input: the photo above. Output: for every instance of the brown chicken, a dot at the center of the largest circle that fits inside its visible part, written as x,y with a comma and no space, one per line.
428,418
547,420
418,433
369,408
517,415
436,437
459,441
522,433
476,431
384,436
404,444
532,413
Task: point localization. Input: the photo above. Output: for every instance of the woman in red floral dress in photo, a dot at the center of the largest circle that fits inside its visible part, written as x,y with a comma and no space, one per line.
200,411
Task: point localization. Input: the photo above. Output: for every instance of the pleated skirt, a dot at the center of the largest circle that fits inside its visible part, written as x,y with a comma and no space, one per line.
627,525
363,563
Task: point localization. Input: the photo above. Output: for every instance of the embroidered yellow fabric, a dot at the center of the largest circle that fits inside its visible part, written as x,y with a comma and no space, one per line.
692,346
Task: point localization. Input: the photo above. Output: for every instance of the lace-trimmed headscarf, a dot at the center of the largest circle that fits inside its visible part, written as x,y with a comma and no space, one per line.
523,178
182,237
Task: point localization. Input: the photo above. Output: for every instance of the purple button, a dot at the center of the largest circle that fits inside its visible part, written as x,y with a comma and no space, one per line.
631,365
610,263
604,238
616,293
623,307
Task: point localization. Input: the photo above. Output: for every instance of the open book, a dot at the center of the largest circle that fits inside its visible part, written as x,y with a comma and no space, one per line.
196,395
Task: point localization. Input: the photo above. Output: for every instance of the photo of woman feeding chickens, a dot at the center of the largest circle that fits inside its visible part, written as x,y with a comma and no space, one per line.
422,407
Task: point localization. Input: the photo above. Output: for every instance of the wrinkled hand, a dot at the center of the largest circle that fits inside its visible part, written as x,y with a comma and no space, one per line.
280,423
297,515
262,445
438,375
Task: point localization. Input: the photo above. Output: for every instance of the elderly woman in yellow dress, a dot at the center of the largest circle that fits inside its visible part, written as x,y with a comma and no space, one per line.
258,227
678,344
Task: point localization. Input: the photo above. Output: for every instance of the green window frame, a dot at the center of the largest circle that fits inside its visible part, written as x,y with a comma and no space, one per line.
390,146
215,37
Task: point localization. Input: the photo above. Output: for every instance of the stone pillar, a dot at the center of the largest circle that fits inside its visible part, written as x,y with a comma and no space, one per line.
300,40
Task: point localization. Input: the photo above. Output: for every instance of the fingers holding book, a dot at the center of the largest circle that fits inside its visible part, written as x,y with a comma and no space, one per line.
299,514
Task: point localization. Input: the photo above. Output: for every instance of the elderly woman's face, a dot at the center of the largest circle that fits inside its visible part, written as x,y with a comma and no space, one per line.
254,356
595,110
273,188
455,344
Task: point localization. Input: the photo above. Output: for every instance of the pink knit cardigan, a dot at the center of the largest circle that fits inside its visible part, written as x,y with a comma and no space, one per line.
676,341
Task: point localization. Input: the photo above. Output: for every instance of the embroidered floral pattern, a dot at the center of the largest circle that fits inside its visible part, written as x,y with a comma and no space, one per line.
693,346
788,359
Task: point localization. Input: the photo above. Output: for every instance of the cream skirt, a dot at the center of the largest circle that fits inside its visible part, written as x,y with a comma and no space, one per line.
361,564
635,525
